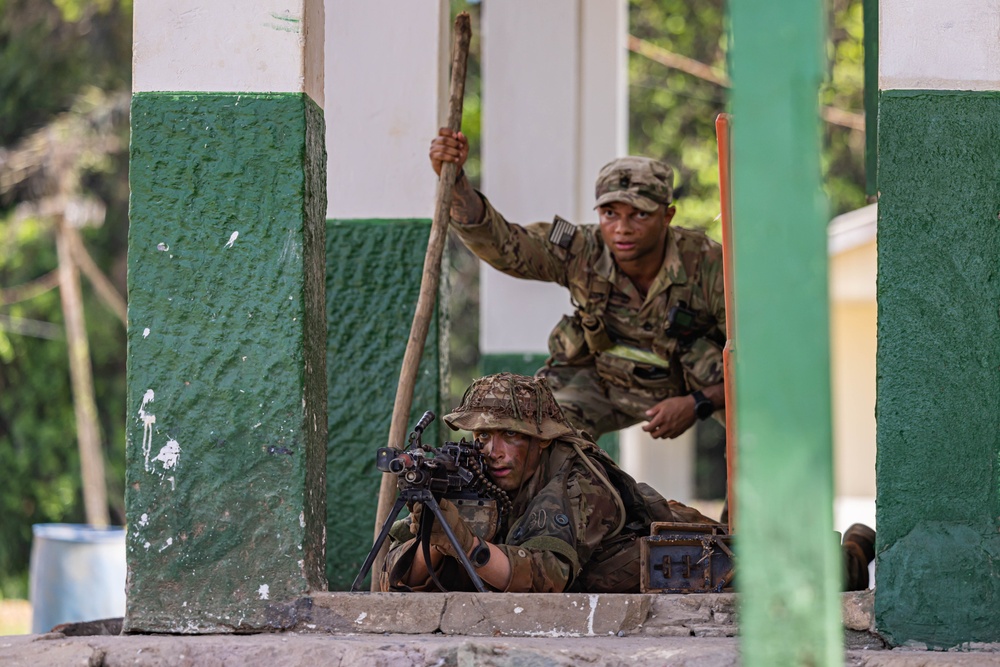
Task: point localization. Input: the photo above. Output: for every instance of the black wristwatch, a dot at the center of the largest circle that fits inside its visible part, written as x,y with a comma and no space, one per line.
480,556
703,406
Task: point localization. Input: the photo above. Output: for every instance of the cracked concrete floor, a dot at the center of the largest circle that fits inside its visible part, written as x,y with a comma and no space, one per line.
437,650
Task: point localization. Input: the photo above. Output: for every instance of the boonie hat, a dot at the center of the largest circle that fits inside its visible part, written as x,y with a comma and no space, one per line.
643,182
511,403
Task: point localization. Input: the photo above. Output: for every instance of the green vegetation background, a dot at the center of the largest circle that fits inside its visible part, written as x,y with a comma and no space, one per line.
65,76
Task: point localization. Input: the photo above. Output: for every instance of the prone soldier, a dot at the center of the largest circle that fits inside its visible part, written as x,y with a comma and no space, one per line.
576,517
575,520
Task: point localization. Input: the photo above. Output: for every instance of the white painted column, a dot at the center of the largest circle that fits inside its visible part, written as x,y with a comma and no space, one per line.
554,112
928,45
386,87
199,46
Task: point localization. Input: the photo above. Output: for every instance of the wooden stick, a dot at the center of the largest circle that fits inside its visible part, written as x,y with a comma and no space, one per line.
428,284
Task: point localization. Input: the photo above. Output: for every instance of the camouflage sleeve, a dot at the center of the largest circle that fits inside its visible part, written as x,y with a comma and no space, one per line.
702,360
518,251
714,285
559,533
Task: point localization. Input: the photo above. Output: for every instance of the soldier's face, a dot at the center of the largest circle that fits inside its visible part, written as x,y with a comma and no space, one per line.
633,235
512,457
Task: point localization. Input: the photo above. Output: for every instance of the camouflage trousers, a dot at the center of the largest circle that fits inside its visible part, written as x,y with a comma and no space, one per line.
592,404
597,406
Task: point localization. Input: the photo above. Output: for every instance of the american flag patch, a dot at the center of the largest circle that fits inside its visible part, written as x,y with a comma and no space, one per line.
562,233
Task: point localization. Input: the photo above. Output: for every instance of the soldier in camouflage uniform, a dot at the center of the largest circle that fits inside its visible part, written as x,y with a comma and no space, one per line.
576,515
645,342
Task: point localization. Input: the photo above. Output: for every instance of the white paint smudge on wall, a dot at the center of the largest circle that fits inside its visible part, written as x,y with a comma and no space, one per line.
302,519
146,546
263,591
148,419
169,454
232,239
170,541
361,617
144,520
590,619
145,332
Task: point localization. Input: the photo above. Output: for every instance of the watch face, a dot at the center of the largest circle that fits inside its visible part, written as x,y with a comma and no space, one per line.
704,407
481,555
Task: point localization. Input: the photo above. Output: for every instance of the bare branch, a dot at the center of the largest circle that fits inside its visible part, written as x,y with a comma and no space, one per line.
30,289
102,285
677,61
844,118
833,115
34,328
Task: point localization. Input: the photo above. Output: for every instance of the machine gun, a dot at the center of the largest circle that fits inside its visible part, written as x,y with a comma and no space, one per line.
427,474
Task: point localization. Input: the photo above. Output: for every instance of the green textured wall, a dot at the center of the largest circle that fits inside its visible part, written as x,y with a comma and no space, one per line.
226,364
939,367
372,285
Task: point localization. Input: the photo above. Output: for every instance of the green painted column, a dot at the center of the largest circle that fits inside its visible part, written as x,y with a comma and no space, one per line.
373,280
226,363
938,409
790,571
227,407
939,368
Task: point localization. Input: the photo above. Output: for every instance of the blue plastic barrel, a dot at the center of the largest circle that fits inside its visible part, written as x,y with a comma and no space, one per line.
77,574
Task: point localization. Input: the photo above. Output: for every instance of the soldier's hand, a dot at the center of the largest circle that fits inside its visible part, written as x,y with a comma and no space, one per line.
671,417
415,513
448,146
439,539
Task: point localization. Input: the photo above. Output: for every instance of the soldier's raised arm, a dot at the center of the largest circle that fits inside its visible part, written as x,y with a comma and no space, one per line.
466,204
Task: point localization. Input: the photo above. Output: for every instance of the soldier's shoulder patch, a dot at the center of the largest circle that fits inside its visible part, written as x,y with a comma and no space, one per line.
562,232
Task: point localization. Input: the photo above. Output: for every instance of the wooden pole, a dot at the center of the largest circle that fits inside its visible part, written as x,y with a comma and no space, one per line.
428,284
723,124
95,493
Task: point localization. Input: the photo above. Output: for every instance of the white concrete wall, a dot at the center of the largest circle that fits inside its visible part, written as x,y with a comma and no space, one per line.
259,46
554,111
666,465
928,44
386,90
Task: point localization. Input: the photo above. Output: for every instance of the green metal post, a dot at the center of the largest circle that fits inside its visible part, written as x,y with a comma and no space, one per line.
871,95
789,564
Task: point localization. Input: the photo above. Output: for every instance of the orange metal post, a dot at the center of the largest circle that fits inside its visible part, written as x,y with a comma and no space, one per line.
722,126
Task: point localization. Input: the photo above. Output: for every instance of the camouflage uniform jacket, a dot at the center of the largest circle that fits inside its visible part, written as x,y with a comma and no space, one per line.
607,301
563,532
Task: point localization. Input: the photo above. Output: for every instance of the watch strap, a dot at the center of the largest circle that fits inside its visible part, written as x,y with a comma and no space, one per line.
703,406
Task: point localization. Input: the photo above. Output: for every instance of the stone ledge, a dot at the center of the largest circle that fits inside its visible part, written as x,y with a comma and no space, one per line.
551,615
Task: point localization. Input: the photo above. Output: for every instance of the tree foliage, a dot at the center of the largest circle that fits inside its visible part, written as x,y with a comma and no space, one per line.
65,72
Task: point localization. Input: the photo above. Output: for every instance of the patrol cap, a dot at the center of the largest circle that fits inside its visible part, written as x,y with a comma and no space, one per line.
643,182
511,403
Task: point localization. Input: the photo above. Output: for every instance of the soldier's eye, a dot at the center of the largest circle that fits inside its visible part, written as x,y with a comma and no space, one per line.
511,434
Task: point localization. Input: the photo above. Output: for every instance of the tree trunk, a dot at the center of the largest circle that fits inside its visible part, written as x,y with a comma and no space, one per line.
95,494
